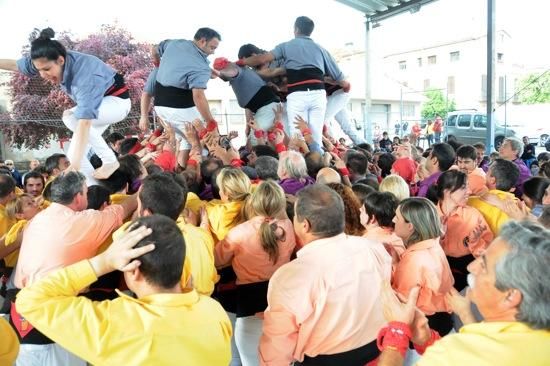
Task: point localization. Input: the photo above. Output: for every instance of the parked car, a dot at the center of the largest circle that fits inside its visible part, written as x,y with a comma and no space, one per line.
470,126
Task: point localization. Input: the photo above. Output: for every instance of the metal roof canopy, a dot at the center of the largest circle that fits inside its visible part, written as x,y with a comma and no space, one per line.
378,10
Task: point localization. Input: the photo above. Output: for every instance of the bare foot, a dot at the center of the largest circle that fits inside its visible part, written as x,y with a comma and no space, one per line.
105,171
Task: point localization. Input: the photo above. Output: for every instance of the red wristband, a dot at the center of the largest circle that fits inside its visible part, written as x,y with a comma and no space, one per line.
280,147
211,125
434,336
240,62
271,136
192,162
157,133
306,131
203,133
236,163
135,149
151,147
279,125
259,134
344,172
396,336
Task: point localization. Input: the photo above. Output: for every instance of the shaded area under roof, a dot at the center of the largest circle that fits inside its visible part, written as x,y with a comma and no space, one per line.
377,10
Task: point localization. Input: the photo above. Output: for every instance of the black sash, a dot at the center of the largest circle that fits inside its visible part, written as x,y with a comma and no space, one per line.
172,97
356,357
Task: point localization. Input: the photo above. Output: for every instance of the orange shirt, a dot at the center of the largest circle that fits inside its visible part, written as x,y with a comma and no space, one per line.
242,248
59,236
322,302
424,264
385,235
466,232
476,182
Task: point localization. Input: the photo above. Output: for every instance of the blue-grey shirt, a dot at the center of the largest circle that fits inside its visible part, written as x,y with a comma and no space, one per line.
86,79
302,52
182,65
149,86
246,84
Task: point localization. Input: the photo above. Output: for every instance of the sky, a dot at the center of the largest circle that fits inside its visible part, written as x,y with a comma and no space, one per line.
267,23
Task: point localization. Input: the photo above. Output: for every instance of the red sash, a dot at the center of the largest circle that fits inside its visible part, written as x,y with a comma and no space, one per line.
22,326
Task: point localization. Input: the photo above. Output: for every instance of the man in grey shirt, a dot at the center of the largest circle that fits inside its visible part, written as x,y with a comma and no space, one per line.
306,64
181,80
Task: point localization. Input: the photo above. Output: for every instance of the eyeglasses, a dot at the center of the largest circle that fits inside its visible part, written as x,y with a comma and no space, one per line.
9,163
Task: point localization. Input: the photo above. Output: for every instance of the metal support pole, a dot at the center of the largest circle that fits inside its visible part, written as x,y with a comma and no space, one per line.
505,106
489,143
367,119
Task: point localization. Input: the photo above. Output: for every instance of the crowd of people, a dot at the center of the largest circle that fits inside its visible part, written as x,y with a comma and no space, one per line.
176,247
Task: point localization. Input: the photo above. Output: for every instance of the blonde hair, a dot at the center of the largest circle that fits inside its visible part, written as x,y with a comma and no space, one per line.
423,216
269,201
236,186
15,206
395,184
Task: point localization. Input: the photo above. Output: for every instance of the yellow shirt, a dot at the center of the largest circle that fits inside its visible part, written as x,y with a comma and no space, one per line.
162,329
194,203
221,216
9,347
488,344
494,216
5,225
116,199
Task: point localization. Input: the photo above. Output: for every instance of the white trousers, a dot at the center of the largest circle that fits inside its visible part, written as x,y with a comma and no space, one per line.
177,117
311,105
46,355
264,118
248,331
111,110
337,110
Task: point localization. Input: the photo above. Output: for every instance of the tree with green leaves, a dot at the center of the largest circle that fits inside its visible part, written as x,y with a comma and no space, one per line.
436,105
535,88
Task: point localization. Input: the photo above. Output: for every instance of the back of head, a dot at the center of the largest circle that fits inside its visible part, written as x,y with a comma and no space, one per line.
467,152
163,266
396,185
361,191
45,47
7,186
543,157
352,209
268,200
544,170
64,188
506,174
207,34
544,218
328,175
265,150
127,145
116,182
131,166
98,196
535,188
314,163
208,167
357,163
114,137
52,162
381,206
323,208
304,25
525,268
234,184
423,216
248,50
266,167
292,165
385,163
160,194
445,155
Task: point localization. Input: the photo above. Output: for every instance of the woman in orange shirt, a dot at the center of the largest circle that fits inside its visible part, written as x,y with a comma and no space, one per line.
255,249
466,233
423,263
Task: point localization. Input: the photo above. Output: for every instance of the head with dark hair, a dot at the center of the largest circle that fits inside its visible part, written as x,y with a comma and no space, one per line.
362,191
7,188
544,218
357,164
48,56
441,158
381,207
303,26
502,175
33,183
163,266
318,213
98,197
365,146
56,163
119,181
534,189
114,140
182,183
70,189
248,50
160,194
385,162
544,170
208,167
131,166
543,157
266,167
153,169
207,39
314,163
466,158
261,150
127,145
352,209
369,180
451,189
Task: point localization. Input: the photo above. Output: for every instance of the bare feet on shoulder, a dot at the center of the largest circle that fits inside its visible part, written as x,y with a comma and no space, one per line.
105,171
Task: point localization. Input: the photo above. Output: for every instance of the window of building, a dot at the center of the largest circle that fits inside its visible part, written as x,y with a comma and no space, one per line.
402,65
432,60
500,57
408,110
419,61
455,56
426,84
464,120
451,85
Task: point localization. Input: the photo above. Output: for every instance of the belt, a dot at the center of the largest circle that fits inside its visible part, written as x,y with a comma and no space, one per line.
304,82
114,92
